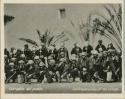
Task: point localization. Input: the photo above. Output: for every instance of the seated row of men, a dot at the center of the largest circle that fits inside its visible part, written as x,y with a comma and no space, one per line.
88,65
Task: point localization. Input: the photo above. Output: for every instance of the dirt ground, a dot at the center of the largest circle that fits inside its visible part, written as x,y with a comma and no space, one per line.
64,87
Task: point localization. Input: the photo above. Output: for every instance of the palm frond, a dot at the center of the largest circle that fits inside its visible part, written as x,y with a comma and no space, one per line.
73,25
50,40
68,32
8,18
65,40
29,41
57,39
40,36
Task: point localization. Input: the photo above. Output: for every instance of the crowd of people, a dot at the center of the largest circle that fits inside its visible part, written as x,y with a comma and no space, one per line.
102,64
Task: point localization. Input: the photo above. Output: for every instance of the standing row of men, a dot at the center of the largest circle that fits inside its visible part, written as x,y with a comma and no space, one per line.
102,64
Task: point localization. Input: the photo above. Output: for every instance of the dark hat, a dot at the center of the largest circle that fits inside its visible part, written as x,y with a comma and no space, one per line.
100,41
26,45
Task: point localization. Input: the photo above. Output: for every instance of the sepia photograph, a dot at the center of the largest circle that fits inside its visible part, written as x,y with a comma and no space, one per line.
63,48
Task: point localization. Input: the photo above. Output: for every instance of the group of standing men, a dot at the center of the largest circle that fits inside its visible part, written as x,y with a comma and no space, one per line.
49,64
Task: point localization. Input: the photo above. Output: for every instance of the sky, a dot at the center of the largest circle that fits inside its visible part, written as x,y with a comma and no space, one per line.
29,17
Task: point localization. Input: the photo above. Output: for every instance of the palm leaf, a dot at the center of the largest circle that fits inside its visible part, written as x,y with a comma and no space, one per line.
8,18
65,40
50,40
40,36
57,39
29,41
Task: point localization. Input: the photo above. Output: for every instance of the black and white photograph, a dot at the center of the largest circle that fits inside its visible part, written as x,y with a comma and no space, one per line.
63,48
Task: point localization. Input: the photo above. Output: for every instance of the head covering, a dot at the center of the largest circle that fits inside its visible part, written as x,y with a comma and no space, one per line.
73,57
77,45
52,61
5,56
50,57
119,53
41,64
36,57
11,64
62,60
100,55
111,50
13,59
105,52
100,41
84,69
30,62
21,61
51,47
26,46
62,53
33,48
22,55
83,54
94,52
14,51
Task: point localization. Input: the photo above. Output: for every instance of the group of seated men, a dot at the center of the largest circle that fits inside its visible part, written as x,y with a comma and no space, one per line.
51,65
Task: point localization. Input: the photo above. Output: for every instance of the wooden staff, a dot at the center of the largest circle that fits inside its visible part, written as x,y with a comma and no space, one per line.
46,62
11,76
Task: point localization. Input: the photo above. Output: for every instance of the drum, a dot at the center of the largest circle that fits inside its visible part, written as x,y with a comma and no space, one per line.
20,78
